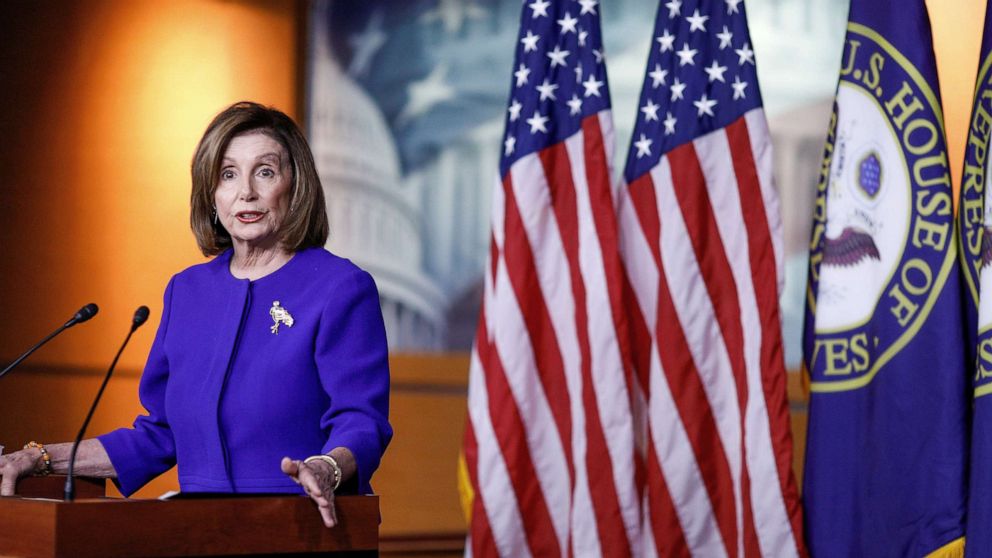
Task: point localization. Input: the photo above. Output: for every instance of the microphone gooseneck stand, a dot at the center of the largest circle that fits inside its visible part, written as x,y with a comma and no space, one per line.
84,313
140,316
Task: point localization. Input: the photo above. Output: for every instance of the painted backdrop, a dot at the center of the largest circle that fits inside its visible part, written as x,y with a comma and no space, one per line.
405,111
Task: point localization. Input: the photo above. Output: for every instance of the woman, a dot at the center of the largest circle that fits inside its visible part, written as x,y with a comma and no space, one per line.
274,348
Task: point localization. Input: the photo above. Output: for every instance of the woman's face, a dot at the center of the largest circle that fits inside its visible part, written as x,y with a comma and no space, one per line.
253,190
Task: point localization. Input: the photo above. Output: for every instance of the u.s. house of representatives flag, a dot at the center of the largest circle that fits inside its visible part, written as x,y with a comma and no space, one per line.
975,218
887,437
549,447
701,242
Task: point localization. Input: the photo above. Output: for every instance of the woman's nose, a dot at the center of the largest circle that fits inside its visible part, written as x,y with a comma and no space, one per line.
246,189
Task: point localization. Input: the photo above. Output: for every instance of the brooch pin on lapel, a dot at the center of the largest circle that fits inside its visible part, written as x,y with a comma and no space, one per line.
280,316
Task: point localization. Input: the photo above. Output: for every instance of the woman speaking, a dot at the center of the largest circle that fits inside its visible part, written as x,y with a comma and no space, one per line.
269,371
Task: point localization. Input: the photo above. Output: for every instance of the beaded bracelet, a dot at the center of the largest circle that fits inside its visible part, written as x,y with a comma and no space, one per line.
44,457
330,461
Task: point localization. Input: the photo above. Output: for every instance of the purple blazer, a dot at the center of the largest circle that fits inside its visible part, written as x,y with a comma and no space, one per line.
227,397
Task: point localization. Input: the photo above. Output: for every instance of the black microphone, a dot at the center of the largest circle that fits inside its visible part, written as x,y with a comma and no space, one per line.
140,315
84,313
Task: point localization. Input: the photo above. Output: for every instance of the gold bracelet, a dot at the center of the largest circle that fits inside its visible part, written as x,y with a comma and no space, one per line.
44,457
330,461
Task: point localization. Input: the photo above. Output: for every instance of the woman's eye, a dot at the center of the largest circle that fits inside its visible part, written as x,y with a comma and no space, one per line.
227,174
266,172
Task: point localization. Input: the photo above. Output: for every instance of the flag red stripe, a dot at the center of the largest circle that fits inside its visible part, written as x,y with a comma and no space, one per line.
643,200
641,339
483,543
493,262
686,385
522,270
697,212
612,534
665,526
510,428
763,266
640,354
697,416
607,229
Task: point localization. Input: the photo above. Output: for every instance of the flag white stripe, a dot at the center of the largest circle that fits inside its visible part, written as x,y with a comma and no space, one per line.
514,348
647,534
761,145
772,526
643,276
530,188
584,527
497,214
585,534
761,151
609,141
638,260
609,381
679,467
713,153
495,489
497,217
697,319
639,415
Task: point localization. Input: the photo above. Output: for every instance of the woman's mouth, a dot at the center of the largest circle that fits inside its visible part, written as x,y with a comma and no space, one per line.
249,216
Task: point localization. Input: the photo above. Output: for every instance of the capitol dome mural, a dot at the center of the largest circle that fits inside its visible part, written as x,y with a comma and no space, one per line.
374,220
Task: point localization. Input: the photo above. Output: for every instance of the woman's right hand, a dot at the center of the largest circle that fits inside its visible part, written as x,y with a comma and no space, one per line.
15,465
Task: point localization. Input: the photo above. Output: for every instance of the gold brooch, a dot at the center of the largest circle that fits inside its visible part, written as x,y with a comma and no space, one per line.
280,316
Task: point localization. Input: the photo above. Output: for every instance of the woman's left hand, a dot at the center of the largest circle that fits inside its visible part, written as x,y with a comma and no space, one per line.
317,479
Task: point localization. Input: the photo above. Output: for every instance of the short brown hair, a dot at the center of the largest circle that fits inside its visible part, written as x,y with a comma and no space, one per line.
305,224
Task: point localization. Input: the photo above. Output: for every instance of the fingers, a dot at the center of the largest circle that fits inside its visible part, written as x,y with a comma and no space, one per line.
324,498
13,467
311,486
291,467
8,477
9,482
305,476
324,501
328,513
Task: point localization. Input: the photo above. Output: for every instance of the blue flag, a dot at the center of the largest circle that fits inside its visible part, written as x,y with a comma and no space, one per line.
886,456
975,217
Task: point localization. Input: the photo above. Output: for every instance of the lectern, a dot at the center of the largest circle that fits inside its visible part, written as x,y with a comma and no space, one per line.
106,527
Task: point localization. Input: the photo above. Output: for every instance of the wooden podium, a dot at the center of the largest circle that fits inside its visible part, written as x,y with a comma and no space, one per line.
105,527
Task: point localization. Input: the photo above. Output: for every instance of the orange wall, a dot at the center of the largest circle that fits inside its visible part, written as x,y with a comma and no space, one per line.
101,105
957,36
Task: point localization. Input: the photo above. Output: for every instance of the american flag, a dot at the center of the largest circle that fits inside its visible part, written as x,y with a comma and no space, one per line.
549,446
701,241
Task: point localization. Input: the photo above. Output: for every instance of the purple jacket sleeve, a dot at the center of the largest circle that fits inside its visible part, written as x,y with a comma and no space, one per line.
146,450
352,360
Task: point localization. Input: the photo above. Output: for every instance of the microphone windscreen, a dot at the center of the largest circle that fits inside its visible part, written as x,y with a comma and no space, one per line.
85,313
140,316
